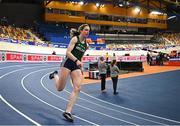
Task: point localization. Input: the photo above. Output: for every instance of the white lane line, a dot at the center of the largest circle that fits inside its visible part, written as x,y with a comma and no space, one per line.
23,85
13,72
16,71
19,66
115,110
21,69
121,106
10,66
143,113
86,107
22,114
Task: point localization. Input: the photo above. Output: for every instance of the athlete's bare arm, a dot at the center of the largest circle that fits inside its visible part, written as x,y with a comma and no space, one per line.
70,48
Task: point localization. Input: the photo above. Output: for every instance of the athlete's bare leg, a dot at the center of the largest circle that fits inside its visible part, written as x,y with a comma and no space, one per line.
76,77
61,78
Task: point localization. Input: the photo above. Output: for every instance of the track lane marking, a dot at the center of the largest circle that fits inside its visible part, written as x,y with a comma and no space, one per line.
7,103
22,114
23,85
132,110
87,107
18,66
22,69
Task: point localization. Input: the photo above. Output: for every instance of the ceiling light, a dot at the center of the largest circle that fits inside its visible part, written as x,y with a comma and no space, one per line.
81,3
97,4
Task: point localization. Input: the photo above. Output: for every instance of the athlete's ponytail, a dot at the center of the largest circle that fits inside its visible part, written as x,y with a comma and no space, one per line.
73,32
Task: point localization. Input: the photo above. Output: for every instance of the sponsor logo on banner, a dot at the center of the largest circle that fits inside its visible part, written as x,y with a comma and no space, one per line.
35,57
119,58
131,58
89,58
54,58
166,63
14,57
143,58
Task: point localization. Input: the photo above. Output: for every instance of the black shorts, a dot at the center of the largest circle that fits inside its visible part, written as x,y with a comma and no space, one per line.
69,64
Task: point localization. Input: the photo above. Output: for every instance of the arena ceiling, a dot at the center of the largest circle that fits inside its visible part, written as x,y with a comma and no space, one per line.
172,6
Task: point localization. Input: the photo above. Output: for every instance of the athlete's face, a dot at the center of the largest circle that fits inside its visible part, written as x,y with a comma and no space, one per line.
85,31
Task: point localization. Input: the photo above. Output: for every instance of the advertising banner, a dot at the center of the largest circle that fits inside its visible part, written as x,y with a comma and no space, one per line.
35,58
54,58
23,57
89,59
13,57
131,58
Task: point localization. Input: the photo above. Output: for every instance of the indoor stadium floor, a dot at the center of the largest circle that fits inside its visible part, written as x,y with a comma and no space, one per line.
28,97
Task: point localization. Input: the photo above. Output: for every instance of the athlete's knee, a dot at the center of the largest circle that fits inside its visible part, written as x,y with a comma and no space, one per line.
77,88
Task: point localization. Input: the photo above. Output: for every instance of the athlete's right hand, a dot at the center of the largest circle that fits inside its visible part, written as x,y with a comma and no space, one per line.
79,64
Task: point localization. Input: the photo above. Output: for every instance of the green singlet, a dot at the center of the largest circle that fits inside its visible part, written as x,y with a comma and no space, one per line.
79,49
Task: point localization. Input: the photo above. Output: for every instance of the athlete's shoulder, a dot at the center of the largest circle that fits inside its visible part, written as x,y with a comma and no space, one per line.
74,39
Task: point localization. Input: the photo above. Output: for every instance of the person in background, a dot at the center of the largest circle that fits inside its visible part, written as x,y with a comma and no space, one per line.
53,53
114,70
102,72
107,57
148,58
114,56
